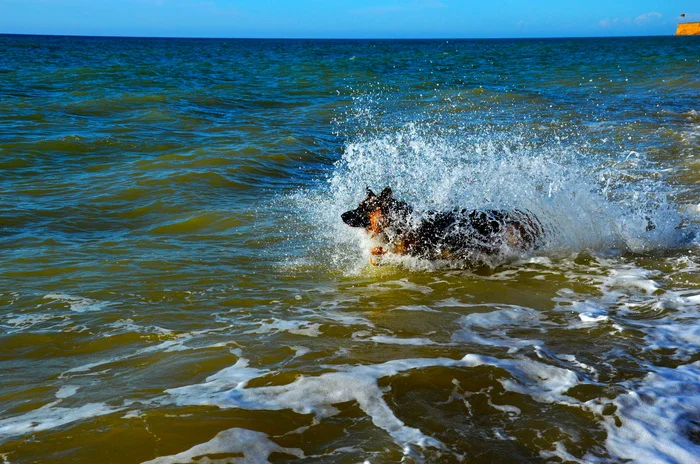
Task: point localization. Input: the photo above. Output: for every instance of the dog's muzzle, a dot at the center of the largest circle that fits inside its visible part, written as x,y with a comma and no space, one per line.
355,219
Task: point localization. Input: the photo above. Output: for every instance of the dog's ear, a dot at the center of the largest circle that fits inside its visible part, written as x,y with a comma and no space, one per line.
386,193
370,193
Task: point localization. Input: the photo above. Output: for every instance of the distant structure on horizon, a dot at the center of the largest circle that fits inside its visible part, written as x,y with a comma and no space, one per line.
688,28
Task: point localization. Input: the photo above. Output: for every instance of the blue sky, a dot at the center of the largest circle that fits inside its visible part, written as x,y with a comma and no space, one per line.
346,18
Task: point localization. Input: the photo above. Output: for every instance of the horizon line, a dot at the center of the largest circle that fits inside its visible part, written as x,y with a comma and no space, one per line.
328,38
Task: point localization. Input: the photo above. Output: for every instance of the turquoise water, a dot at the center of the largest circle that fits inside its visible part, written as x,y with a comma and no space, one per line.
176,282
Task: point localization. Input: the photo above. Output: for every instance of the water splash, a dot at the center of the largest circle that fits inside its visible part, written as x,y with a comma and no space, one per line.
587,200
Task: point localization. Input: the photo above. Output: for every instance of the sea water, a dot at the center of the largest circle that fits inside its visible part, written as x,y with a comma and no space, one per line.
177,285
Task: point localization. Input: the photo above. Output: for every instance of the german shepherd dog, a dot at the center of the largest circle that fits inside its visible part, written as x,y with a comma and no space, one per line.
473,236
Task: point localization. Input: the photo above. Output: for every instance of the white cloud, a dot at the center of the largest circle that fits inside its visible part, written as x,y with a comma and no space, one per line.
641,20
646,18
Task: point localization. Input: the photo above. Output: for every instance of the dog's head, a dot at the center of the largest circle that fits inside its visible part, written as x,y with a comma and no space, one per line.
376,212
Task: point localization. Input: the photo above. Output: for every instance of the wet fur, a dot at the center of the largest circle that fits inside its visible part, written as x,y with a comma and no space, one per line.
458,234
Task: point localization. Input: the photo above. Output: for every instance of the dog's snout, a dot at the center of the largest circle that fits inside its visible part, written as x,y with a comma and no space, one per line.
353,219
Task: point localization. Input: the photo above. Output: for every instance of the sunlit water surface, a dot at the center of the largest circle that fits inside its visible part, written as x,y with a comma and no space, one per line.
177,286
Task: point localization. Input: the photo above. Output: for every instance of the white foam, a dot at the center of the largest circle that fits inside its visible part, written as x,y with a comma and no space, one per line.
678,330
167,346
657,417
300,351
632,278
253,448
510,315
134,414
593,317
589,311
496,325
568,358
674,335
631,299
20,322
423,308
128,325
563,455
317,395
506,408
67,391
401,341
543,382
455,303
50,416
338,317
403,284
89,366
499,434
308,329
313,394
236,376
78,304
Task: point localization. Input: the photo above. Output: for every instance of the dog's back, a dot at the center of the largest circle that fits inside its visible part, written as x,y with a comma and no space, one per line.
458,234
462,234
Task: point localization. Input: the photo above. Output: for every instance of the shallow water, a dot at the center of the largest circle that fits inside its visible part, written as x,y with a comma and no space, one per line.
176,283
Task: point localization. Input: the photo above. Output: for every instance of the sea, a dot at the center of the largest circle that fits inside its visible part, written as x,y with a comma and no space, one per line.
177,285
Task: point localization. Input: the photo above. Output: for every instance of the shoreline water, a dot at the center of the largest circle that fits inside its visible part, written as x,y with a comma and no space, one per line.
177,282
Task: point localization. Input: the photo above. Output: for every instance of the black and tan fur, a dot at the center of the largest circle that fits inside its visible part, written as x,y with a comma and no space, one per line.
458,234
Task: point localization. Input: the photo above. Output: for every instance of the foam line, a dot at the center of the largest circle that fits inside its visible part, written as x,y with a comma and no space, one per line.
401,341
49,416
317,395
253,448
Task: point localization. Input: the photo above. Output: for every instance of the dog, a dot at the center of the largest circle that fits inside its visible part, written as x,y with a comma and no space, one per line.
473,236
